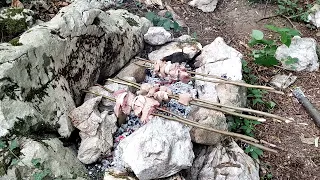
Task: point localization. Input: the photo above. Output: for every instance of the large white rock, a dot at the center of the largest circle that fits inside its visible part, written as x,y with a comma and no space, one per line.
59,160
157,36
221,60
305,49
204,5
220,162
189,48
41,81
159,149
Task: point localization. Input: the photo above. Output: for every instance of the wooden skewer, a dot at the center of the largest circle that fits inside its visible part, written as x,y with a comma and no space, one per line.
202,105
220,105
221,80
244,138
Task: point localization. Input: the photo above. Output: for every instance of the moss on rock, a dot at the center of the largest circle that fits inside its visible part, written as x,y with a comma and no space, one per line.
14,21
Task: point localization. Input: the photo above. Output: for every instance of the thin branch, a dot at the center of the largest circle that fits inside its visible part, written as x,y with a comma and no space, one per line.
195,124
259,146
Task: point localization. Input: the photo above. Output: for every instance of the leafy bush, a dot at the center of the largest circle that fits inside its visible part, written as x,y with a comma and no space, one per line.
166,22
266,55
293,10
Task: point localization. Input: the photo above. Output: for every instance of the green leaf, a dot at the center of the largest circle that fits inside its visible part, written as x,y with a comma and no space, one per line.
41,175
166,25
168,15
13,144
14,161
285,39
256,34
269,176
176,26
291,60
247,150
254,155
271,104
150,16
2,145
258,100
266,61
281,7
36,162
258,151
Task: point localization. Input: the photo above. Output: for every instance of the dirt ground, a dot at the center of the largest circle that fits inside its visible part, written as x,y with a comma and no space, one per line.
234,20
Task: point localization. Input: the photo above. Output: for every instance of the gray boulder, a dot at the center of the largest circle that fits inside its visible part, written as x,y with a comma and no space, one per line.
157,36
204,5
305,52
209,118
41,81
223,162
189,47
159,149
56,159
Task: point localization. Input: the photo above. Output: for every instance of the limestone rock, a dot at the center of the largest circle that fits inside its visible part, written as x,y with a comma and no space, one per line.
87,118
232,95
157,36
221,60
135,71
60,160
190,48
304,49
92,147
42,79
204,5
283,81
159,149
96,130
223,162
314,16
208,118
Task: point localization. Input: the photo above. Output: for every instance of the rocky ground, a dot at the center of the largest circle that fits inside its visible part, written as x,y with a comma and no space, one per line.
232,20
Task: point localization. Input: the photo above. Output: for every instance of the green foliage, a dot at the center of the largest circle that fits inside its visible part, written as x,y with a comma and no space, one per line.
286,34
253,151
166,22
291,62
13,144
42,173
293,10
243,126
2,144
36,162
265,56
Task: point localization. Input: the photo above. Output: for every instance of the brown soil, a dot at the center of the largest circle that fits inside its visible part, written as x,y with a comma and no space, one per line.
234,20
